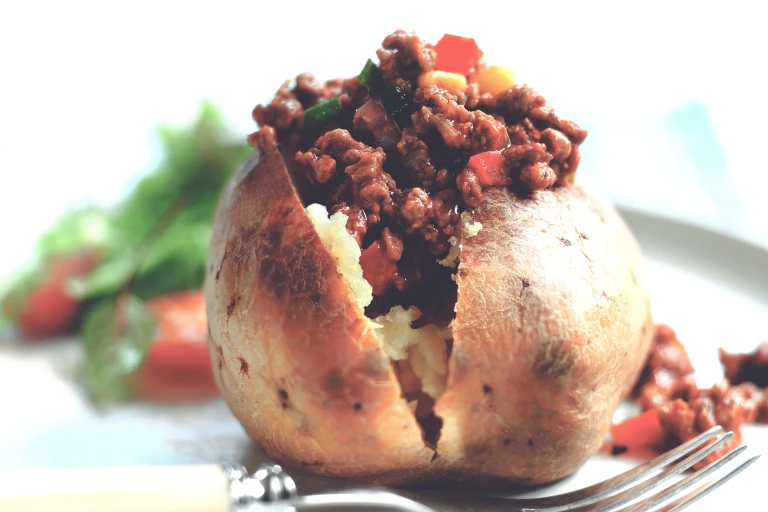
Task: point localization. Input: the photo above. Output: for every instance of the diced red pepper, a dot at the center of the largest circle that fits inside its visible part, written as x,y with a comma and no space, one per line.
456,54
642,430
490,169
378,269
178,365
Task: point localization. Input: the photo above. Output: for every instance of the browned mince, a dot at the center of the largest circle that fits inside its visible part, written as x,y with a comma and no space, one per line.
402,179
668,374
668,386
403,57
753,368
723,404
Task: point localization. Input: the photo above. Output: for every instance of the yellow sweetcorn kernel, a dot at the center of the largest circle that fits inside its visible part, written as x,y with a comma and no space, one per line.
451,82
494,79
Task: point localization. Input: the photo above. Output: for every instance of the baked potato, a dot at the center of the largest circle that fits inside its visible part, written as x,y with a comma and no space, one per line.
335,362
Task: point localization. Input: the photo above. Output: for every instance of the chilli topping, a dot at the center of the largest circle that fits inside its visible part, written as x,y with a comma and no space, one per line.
407,146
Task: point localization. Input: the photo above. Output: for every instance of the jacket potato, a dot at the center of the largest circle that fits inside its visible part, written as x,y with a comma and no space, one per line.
339,366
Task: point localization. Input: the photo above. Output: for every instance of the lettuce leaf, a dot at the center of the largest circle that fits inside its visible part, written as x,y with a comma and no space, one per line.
152,243
116,335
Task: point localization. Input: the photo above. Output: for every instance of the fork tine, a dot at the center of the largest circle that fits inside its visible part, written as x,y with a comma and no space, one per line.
697,494
628,495
689,481
601,490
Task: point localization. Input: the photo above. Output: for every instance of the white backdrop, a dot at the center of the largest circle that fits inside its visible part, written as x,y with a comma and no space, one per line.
669,90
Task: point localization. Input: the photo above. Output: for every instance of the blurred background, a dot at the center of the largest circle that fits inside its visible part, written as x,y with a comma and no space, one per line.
673,93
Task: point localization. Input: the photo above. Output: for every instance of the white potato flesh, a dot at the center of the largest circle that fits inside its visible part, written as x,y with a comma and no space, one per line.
424,348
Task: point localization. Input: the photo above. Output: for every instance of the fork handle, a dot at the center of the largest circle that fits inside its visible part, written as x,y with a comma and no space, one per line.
194,488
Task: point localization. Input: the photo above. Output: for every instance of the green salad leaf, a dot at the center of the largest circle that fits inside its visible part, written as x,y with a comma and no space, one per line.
85,227
153,243
177,260
116,335
198,162
108,278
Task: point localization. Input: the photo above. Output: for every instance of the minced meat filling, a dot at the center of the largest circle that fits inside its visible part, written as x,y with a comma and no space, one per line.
723,404
740,368
685,410
403,57
408,145
668,374
474,131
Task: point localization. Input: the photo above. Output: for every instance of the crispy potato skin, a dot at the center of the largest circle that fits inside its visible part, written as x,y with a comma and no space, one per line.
552,328
292,352
553,325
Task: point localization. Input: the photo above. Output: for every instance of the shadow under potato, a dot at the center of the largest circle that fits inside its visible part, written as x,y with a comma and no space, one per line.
437,489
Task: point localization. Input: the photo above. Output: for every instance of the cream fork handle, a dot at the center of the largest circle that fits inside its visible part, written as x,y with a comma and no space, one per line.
195,488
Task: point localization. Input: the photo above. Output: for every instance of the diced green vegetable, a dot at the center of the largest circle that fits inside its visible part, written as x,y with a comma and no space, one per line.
397,102
369,76
322,114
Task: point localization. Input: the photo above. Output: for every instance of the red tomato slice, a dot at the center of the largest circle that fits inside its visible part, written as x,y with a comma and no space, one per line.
378,269
457,54
490,169
178,365
49,310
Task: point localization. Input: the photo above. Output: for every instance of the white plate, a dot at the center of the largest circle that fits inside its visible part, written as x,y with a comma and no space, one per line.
711,288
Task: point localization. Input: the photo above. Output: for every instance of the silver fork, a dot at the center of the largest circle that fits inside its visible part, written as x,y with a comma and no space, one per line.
272,490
